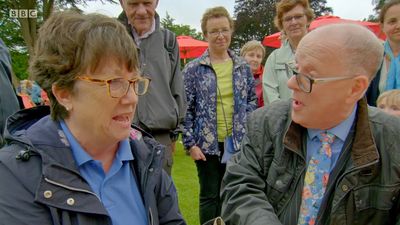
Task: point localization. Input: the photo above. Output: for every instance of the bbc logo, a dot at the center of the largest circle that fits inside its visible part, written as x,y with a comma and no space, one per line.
23,13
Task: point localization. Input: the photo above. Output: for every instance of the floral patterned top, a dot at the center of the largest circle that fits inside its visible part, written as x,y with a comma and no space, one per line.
200,124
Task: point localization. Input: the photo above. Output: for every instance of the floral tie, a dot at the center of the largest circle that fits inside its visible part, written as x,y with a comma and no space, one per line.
316,180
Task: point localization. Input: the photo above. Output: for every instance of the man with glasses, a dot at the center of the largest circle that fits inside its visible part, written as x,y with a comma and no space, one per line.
162,109
324,157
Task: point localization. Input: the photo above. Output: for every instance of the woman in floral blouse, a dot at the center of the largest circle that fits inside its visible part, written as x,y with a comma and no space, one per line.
220,93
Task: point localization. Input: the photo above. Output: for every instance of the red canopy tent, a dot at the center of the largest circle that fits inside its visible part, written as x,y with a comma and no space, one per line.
274,41
190,47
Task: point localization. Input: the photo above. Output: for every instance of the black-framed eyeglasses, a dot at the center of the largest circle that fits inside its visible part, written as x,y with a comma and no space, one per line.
119,87
306,82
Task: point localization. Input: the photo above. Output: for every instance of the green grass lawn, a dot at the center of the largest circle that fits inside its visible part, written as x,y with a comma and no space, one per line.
184,174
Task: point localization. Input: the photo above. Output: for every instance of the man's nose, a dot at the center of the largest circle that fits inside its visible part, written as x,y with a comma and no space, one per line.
141,9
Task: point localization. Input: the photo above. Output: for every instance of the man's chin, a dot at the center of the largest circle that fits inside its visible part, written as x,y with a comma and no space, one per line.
299,119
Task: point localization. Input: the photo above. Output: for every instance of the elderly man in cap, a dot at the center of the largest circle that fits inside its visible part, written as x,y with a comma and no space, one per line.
324,157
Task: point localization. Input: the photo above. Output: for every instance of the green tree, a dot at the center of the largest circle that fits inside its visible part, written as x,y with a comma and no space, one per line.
320,8
378,4
180,29
255,19
377,8
12,37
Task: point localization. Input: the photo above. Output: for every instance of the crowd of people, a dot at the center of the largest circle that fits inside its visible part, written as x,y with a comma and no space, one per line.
310,137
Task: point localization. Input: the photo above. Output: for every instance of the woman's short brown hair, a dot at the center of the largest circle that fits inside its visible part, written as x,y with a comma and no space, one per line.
285,6
250,46
70,43
215,12
385,8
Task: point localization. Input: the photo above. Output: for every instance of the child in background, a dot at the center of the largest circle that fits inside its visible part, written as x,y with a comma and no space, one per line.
389,101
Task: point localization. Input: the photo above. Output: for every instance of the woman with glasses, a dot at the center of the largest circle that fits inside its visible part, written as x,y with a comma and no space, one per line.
220,93
292,18
84,163
388,77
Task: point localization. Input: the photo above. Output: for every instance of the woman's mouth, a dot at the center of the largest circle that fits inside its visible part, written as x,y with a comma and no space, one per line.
123,120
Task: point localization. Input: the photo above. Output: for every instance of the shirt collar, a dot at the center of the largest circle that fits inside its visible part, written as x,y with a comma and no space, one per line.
145,35
124,152
340,131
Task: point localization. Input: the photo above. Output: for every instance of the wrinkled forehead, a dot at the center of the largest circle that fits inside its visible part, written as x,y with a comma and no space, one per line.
322,58
318,46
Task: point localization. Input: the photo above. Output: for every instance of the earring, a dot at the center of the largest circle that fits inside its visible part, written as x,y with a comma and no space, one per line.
67,108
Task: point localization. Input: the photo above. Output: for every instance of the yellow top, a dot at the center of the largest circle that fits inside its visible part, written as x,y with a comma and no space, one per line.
224,83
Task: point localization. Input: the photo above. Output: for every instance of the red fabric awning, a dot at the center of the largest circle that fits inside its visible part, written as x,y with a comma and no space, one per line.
274,41
190,47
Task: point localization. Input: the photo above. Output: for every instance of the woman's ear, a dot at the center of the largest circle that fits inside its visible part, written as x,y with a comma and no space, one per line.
63,96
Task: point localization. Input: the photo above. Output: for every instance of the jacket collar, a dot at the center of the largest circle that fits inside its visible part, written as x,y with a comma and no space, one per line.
364,150
284,54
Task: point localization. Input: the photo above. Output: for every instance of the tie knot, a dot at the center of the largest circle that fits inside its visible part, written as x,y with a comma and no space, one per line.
327,138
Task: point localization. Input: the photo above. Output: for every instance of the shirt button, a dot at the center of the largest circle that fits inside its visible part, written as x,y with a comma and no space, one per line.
345,188
158,152
151,170
47,194
70,201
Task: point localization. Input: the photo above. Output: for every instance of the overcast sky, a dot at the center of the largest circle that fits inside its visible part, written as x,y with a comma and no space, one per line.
190,11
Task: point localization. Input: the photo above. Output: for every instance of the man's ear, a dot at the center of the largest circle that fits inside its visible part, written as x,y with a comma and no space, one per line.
359,87
63,96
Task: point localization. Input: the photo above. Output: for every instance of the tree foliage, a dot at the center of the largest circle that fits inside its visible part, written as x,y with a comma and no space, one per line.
255,19
180,29
378,4
377,8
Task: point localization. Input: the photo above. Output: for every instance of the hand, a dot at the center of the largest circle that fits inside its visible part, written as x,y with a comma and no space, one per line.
196,153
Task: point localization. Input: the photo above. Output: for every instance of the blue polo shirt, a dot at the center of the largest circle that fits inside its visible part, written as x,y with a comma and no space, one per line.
117,189
340,131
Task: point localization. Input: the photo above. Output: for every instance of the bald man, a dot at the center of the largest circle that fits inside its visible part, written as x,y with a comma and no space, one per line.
324,157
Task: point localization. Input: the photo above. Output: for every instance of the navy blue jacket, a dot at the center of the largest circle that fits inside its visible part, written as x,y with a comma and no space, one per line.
43,184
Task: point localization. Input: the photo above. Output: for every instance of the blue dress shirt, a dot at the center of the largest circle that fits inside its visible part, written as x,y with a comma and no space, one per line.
340,131
117,189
